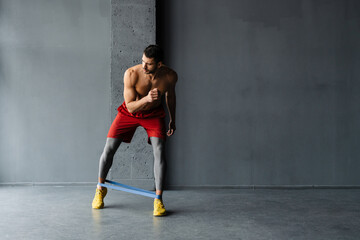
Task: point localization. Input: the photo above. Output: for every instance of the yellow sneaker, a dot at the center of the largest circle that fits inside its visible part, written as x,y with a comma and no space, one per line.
98,201
159,209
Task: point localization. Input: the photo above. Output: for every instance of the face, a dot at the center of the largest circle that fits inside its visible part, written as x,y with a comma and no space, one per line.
149,65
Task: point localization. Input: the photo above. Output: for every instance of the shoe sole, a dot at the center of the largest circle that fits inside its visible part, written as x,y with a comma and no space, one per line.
160,215
100,207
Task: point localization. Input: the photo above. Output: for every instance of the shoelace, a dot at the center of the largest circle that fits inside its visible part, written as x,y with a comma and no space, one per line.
160,204
98,192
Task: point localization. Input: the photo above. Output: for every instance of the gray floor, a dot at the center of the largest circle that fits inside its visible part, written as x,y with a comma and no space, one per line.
44,212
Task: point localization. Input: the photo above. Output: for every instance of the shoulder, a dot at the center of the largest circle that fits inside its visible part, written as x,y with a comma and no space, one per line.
132,71
171,75
131,75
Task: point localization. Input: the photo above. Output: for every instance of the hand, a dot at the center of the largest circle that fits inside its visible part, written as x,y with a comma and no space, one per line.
172,128
153,95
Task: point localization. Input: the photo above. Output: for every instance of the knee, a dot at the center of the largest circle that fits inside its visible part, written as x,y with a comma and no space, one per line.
158,145
159,154
158,148
109,151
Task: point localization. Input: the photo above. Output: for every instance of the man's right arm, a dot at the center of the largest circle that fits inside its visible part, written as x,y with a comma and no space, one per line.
132,104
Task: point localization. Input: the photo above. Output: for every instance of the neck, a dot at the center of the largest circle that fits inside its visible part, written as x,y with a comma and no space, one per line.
152,75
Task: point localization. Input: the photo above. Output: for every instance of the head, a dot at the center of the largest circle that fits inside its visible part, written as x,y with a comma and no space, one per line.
152,59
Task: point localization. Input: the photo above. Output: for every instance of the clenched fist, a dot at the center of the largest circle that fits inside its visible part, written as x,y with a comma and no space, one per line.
153,95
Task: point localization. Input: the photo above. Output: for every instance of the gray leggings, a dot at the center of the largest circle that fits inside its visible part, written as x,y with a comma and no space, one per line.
112,144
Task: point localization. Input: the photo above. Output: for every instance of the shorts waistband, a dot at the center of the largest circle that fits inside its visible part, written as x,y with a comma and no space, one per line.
153,113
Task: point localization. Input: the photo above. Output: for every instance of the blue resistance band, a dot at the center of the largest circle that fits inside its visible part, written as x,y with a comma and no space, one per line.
129,189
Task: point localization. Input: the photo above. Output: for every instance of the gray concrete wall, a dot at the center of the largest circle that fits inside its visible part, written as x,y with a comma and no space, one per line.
268,91
133,28
54,89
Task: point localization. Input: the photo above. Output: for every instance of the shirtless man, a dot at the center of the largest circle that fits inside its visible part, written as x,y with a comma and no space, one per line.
145,87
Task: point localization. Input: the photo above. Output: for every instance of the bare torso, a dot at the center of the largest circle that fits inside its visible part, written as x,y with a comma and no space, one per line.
143,83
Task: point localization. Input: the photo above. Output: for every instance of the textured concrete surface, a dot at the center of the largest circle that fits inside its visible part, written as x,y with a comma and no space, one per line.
268,91
133,26
65,213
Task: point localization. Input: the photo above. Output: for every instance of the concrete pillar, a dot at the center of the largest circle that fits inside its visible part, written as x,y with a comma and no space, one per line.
133,27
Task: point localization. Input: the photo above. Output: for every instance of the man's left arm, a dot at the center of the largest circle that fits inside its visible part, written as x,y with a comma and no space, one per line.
171,103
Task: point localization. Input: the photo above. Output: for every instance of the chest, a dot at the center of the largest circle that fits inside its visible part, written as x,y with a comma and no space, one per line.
143,86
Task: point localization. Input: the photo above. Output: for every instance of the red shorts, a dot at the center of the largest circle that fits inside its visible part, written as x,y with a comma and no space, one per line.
125,123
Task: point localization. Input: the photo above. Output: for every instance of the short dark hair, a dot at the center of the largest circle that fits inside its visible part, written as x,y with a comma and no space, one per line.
155,52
